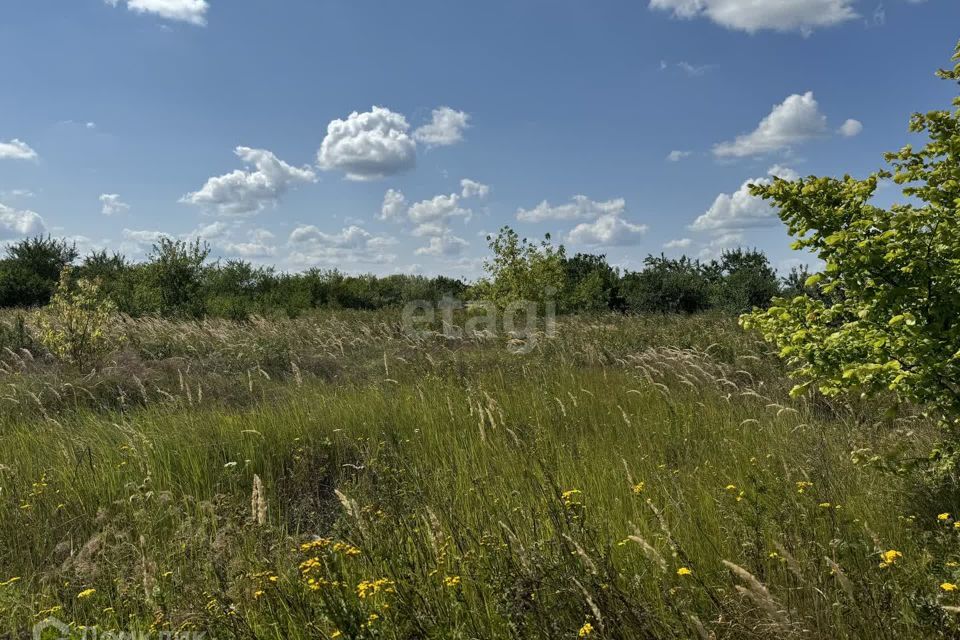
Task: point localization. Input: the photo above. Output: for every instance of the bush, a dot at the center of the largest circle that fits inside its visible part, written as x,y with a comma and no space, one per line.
76,326
31,269
886,319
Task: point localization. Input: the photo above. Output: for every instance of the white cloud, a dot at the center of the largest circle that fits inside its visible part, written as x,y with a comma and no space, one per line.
191,11
446,128
248,191
16,150
212,231
17,193
368,146
607,231
680,243
249,249
677,156
112,204
394,205
785,173
142,236
471,189
446,245
581,208
755,15
851,128
795,120
14,222
438,209
350,245
741,209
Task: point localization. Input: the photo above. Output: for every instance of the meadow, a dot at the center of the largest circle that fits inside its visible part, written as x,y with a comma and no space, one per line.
331,476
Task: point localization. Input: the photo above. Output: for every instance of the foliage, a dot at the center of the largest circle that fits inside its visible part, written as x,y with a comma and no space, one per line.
31,269
636,477
171,282
667,285
76,327
742,280
520,270
887,319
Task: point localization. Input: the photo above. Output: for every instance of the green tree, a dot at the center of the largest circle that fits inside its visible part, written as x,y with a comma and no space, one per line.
522,270
744,280
31,269
171,283
667,286
887,317
77,325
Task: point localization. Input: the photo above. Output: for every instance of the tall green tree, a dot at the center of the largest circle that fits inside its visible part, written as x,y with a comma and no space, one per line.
521,270
889,314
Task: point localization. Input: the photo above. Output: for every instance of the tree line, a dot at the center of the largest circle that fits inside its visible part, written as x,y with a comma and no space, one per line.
178,279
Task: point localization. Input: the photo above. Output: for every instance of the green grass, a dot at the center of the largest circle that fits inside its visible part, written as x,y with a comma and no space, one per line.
494,495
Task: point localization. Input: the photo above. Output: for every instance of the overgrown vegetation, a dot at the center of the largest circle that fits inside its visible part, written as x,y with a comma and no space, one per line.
883,314
331,476
178,280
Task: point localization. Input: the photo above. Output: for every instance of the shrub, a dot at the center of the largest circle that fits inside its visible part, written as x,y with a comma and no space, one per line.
76,326
887,316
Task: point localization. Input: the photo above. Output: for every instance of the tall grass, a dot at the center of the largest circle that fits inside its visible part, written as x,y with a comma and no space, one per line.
630,478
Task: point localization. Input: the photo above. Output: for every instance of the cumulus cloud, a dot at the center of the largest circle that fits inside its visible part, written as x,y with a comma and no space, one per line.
607,231
259,246
851,128
741,209
191,11
212,231
580,208
438,209
14,222
680,243
751,16
369,145
16,150
473,189
446,128
143,236
394,205
112,204
795,120
311,246
445,245
677,156
248,191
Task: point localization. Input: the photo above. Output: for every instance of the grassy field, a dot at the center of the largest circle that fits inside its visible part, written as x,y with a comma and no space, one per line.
329,477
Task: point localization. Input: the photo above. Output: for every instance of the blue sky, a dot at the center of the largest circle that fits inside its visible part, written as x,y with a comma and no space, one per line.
340,133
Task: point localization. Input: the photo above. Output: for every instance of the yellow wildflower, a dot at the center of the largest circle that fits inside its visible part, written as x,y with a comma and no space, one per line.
731,487
824,505
585,630
86,593
639,487
803,485
258,594
369,588
683,571
889,558
451,581
948,586
319,543
943,517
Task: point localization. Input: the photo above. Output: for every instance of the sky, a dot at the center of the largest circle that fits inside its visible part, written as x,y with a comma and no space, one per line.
394,137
